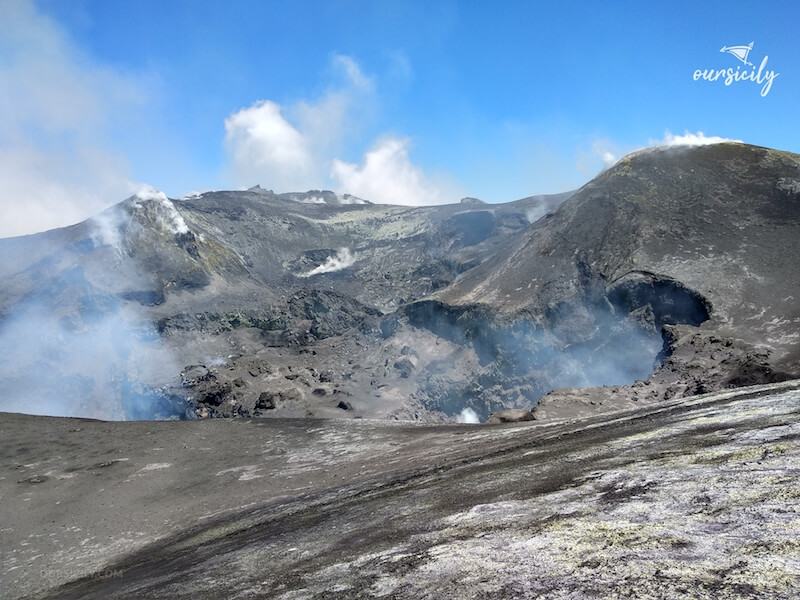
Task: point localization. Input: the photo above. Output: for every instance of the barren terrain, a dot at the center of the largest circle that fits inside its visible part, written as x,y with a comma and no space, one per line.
697,497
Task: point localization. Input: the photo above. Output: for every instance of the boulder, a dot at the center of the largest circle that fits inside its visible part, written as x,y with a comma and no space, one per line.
516,415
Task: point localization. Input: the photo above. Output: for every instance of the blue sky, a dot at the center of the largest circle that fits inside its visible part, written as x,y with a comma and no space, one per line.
412,102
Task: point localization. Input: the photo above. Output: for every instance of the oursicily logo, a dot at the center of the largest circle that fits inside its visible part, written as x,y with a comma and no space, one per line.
747,71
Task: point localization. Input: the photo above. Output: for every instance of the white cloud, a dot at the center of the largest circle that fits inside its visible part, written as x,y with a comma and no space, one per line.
690,139
289,148
56,106
265,146
294,148
41,190
388,176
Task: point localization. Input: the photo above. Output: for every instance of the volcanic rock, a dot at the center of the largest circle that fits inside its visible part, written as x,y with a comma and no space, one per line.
517,415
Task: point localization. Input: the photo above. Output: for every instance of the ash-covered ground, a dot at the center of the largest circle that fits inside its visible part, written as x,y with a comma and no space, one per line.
694,498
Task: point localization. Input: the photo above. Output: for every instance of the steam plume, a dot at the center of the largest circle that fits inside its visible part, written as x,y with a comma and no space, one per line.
73,345
173,220
342,260
83,366
692,139
467,416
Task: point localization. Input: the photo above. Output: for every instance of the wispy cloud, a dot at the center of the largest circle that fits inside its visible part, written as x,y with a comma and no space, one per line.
400,68
56,109
352,71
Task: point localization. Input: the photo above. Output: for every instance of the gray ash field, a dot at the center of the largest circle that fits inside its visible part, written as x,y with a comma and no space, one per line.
695,498
296,364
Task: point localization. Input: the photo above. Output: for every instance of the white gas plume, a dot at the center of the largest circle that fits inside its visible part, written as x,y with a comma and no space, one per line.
172,219
343,259
691,139
467,416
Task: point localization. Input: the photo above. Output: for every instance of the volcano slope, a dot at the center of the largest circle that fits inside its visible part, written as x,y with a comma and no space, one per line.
693,498
675,268
695,243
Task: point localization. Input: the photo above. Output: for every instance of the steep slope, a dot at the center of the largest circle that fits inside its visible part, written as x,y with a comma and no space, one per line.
721,220
704,237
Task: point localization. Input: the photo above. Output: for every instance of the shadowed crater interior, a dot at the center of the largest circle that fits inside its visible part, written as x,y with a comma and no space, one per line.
661,300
